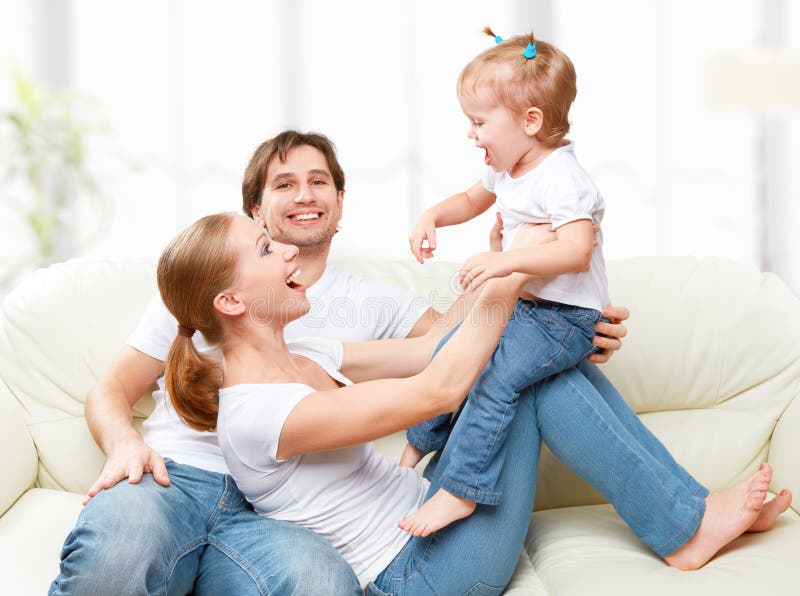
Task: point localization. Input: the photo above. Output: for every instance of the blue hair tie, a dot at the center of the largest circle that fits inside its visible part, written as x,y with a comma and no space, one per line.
497,39
530,51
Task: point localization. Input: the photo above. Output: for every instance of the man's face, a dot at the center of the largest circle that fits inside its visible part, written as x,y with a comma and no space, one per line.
300,204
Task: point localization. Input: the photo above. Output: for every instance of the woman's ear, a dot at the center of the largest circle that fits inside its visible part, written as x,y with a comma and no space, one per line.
534,119
229,304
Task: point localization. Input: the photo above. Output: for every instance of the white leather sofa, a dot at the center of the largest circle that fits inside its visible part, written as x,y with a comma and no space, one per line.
711,362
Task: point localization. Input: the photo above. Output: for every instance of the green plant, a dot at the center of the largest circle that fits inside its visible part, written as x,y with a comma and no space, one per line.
47,182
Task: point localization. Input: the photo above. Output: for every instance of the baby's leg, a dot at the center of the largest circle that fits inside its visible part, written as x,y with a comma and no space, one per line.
539,341
411,456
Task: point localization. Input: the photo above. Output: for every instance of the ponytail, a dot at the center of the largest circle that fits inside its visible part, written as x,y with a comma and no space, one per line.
192,382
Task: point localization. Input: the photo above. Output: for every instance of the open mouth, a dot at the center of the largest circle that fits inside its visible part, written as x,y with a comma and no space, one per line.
305,216
290,281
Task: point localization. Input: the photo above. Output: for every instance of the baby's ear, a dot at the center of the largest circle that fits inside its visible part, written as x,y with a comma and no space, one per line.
534,118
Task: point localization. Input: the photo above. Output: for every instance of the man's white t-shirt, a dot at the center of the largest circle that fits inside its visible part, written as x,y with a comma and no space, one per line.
557,191
344,307
353,496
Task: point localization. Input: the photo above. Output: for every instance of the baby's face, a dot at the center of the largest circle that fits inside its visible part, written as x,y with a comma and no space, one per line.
496,129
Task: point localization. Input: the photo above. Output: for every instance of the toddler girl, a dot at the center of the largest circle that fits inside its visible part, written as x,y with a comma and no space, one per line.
517,97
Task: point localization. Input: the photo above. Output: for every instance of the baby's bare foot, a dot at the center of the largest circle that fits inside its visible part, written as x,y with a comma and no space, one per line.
771,510
411,456
728,514
441,509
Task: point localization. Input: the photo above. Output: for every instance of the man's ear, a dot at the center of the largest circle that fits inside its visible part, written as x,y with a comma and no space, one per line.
257,214
229,304
534,119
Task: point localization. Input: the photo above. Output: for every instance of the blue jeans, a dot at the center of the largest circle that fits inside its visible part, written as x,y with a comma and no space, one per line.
199,535
588,425
542,338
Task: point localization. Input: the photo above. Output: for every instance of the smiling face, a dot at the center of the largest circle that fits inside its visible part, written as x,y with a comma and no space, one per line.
265,274
300,204
502,134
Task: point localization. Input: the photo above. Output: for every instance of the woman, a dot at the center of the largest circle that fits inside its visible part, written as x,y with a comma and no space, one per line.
295,433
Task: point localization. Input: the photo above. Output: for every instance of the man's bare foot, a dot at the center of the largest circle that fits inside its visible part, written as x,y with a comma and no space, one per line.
728,514
411,456
771,510
441,509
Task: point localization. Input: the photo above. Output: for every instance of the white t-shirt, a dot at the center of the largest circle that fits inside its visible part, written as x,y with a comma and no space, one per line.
343,307
353,496
557,191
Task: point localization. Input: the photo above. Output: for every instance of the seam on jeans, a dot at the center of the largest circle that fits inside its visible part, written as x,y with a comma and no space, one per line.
243,563
683,532
179,554
468,492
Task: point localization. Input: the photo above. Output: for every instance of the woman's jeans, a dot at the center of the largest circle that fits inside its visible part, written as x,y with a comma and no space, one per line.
588,425
542,338
199,536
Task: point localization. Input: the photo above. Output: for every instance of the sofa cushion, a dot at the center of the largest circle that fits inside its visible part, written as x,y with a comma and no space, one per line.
590,550
31,535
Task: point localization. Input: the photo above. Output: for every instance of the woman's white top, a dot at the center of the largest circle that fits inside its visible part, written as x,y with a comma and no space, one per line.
557,191
343,307
352,496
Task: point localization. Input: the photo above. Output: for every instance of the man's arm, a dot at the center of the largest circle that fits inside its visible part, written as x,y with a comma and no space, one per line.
109,414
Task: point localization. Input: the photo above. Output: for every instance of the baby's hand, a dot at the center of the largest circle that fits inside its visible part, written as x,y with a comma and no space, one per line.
496,234
481,267
424,233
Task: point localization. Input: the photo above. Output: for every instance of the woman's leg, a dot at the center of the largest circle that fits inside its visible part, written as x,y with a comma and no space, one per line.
476,555
636,428
582,431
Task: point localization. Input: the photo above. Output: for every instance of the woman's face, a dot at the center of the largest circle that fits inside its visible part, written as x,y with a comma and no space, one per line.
265,273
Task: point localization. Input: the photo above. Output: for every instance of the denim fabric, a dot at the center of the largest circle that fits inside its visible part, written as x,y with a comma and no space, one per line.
199,535
458,559
589,426
542,338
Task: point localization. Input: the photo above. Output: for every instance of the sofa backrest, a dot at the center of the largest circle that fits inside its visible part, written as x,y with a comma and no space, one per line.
711,361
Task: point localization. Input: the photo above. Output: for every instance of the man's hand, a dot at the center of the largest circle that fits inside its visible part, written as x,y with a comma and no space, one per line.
609,335
481,267
130,460
496,234
424,232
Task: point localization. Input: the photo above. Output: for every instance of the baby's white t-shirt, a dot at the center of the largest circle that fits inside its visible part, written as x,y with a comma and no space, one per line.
353,496
557,191
343,307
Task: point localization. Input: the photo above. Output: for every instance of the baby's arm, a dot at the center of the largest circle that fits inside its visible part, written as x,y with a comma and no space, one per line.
570,252
453,210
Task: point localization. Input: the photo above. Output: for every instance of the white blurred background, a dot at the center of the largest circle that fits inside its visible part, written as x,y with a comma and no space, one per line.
692,146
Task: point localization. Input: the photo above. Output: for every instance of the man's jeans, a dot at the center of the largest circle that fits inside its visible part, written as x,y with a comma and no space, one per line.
199,535
542,338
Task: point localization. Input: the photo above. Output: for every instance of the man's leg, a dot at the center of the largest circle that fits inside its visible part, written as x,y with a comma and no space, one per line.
140,538
249,554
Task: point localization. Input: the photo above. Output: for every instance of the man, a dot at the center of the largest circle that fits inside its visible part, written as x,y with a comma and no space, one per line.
181,525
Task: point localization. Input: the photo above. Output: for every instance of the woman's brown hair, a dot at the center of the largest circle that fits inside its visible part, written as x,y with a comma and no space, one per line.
196,266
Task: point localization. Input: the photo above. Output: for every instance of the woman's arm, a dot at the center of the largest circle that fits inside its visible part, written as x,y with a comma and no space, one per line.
365,411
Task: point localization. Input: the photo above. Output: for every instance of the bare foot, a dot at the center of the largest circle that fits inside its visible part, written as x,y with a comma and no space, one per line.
441,509
728,514
411,456
770,511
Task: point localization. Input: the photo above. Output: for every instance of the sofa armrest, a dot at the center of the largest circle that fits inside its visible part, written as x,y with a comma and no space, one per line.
18,459
783,452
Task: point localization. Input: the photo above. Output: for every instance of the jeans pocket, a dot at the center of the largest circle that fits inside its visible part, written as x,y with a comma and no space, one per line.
481,589
373,589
